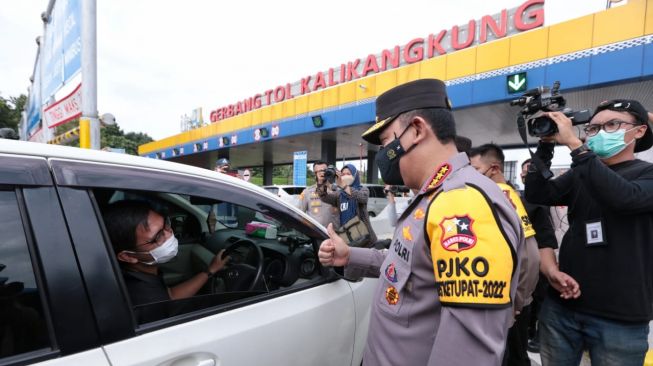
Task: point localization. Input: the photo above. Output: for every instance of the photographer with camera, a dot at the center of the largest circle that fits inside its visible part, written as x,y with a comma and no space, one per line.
602,288
310,202
351,198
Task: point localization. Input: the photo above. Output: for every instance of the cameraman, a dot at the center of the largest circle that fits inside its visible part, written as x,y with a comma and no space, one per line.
606,253
351,199
310,202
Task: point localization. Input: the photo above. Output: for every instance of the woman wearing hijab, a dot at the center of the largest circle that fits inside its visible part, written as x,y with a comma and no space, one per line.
351,199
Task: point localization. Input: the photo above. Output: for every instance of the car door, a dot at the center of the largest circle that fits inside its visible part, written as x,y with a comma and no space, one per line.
45,317
312,322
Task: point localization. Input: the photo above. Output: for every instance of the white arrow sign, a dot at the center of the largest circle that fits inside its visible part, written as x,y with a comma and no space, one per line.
516,82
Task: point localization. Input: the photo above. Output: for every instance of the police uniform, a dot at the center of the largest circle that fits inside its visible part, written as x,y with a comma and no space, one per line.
529,256
448,279
324,213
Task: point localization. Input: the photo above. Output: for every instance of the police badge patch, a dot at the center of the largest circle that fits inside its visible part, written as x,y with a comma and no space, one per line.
392,295
406,233
457,234
391,273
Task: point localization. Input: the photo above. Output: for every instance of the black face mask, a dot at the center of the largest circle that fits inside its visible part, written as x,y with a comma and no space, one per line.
387,160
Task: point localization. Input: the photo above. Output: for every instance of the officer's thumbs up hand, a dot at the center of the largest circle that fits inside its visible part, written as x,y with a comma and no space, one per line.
333,251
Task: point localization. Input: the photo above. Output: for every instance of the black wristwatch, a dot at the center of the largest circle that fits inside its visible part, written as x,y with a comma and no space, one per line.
582,149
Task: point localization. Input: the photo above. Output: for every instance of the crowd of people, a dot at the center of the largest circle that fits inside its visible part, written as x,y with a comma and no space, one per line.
475,262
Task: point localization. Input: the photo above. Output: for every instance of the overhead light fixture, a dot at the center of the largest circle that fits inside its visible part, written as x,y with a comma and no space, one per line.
317,121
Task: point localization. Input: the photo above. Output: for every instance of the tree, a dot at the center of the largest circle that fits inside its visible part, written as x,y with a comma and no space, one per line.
10,111
113,136
110,136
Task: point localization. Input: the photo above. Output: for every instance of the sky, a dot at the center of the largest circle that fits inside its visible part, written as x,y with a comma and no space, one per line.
159,60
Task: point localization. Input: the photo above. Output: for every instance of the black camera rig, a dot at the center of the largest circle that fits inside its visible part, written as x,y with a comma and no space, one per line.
396,190
330,174
543,99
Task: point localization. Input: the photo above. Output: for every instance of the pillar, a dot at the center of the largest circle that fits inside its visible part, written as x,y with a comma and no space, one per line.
328,153
372,168
268,163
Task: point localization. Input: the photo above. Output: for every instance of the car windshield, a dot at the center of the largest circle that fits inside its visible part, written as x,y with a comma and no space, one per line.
294,190
274,190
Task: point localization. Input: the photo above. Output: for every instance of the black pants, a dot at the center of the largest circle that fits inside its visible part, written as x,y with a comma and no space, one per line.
517,342
538,298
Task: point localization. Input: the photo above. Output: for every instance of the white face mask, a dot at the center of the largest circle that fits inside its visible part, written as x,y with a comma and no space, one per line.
164,252
347,179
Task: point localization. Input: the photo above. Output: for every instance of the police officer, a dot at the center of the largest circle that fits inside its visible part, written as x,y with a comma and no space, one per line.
489,160
310,202
448,279
222,165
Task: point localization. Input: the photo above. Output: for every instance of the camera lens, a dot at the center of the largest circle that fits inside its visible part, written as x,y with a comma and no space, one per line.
541,126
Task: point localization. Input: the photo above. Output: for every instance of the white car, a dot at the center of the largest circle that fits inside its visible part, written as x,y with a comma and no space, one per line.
65,302
377,200
383,224
288,193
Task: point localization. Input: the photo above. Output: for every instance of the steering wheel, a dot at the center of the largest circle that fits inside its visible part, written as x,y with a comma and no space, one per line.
238,275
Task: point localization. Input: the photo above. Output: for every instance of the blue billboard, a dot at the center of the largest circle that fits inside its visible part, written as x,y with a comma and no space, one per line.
34,102
62,47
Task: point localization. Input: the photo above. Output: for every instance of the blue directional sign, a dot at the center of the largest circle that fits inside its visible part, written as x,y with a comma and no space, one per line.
517,83
299,168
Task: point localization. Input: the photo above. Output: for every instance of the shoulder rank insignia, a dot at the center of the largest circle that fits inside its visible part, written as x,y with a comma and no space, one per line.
440,173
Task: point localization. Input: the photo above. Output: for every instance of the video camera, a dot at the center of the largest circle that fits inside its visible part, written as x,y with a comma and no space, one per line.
330,174
543,99
396,189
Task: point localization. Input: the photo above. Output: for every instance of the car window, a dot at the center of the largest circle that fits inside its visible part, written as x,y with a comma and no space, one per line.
375,191
186,224
273,190
379,191
294,190
22,320
269,253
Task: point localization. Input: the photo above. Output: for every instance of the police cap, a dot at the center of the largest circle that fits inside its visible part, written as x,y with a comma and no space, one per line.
418,94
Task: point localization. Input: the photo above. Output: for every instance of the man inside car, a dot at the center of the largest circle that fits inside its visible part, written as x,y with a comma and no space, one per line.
142,239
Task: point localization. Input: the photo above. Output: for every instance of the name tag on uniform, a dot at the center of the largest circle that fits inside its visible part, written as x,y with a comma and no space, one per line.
594,233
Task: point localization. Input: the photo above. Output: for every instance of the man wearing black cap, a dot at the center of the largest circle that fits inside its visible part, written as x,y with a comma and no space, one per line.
447,282
601,292
222,165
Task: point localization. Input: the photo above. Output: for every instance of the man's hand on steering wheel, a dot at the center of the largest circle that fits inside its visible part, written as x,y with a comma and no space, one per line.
218,263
